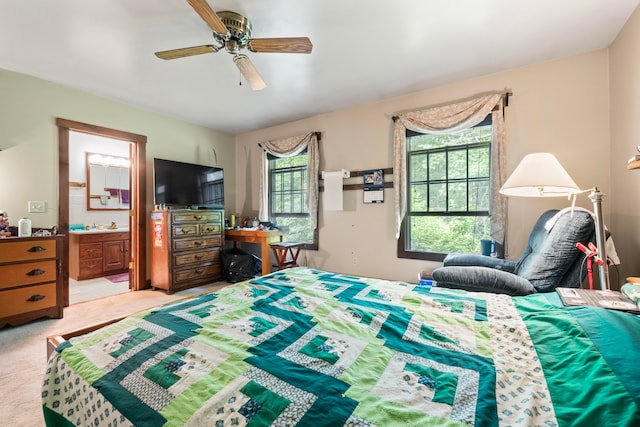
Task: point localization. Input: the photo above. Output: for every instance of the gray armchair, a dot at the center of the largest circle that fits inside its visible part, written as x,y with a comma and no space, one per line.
550,259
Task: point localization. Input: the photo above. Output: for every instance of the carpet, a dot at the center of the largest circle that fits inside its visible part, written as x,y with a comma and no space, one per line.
118,278
23,348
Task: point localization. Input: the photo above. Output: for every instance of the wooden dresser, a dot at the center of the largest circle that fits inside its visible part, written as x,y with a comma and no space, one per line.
98,253
30,279
185,248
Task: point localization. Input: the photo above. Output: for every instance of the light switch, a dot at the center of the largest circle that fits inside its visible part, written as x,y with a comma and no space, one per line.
37,207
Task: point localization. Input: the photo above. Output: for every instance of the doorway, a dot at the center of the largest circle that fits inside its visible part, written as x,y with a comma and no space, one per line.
137,216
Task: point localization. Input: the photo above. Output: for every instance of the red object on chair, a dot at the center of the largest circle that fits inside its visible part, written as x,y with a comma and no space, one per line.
594,249
592,253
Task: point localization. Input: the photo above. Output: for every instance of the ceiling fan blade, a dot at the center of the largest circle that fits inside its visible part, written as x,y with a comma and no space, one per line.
186,51
281,45
249,72
214,22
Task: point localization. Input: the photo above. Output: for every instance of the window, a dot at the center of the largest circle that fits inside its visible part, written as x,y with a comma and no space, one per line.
212,184
448,192
288,203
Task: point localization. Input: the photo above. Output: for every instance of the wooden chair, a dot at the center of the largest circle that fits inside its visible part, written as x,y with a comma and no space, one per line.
286,254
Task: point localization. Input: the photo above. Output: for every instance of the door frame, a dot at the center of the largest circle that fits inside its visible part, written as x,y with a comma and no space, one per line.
137,215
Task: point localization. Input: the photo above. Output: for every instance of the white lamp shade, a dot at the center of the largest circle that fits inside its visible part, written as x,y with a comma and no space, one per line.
539,175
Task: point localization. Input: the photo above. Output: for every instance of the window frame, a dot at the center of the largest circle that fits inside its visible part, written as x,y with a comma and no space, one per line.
402,251
271,190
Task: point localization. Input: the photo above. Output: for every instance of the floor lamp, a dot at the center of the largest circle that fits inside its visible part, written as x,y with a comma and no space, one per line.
542,175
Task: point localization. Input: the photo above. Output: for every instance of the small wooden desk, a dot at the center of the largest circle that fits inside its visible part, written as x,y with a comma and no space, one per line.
252,235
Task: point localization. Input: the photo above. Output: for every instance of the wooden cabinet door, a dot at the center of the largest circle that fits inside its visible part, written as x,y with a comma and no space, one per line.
113,255
127,254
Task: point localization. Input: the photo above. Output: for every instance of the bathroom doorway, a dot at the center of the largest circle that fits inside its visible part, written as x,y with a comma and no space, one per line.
137,190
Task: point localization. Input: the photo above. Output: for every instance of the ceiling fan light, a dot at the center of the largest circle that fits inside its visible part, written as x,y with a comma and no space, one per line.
232,46
249,72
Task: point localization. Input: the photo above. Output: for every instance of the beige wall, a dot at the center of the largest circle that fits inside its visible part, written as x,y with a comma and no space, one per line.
29,141
625,137
560,106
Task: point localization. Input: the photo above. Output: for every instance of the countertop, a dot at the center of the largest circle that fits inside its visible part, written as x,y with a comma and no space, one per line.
97,231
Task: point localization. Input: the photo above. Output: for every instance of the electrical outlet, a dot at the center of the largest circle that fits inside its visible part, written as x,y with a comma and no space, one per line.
37,207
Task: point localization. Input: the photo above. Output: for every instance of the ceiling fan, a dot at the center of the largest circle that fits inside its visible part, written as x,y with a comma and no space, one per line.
232,32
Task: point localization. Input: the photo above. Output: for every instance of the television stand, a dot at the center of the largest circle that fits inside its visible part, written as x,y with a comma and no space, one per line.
185,248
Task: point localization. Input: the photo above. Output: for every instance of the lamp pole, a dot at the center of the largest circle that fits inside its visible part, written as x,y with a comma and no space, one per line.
596,197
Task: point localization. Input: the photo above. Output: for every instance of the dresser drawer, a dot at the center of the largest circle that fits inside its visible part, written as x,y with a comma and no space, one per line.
197,243
185,230
197,216
25,300
199,273
27,250
210,228
27,273
89,267
90,250
196,258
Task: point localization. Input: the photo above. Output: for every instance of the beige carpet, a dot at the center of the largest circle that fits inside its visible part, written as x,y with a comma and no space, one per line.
85,290
23,348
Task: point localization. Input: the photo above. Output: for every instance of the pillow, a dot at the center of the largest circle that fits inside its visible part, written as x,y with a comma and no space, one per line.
632,291
550,255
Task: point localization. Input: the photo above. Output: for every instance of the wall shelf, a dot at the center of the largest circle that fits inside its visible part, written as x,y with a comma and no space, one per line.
634,165
387,184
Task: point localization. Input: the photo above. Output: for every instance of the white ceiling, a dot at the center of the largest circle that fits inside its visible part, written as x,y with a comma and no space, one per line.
363,50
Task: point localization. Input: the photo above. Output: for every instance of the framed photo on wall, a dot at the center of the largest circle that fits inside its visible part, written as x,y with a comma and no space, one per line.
373,186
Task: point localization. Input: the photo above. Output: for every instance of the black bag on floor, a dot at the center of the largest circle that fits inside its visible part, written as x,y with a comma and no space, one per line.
238,265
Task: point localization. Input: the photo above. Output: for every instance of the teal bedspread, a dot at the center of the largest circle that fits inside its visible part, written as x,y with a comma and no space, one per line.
312,348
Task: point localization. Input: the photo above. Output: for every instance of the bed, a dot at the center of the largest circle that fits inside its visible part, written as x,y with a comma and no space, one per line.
314,348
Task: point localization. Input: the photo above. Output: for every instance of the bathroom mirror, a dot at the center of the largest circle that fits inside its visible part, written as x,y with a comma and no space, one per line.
108,182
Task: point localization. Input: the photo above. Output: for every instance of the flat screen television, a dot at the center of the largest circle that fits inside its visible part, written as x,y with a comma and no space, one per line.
187,185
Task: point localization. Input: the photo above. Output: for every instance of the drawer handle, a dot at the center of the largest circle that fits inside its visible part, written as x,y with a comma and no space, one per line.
36,297
197,217
184,231
198,271
92,266
35,272
198,243
198,257
36,249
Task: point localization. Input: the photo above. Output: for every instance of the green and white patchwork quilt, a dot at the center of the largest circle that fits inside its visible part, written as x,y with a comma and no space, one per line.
312,348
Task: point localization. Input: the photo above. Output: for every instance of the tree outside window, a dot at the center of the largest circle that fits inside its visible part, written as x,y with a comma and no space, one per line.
448,192
288,204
